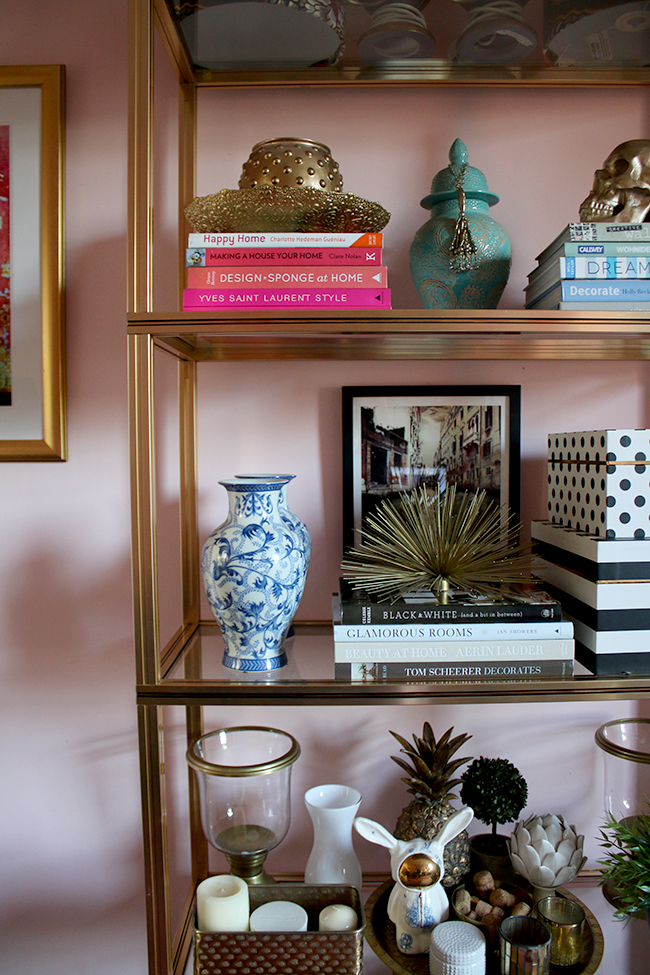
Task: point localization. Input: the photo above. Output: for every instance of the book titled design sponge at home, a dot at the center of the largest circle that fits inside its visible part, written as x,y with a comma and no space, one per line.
287,277
213,298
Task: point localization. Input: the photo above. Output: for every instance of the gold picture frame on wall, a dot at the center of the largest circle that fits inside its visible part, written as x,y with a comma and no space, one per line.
32,236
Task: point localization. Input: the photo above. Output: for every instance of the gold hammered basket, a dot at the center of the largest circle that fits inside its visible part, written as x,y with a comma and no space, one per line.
291,162
291,953
287,185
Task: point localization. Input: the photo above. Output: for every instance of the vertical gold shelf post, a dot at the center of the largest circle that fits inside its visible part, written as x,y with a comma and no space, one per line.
188,460
140,358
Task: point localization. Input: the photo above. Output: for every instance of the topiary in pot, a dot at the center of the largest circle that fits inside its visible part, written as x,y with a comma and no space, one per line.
497,792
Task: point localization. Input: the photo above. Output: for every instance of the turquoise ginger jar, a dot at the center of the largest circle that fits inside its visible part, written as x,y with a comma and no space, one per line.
254,567
461,257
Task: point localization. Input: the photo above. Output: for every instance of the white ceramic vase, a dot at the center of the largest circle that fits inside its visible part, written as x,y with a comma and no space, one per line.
332,860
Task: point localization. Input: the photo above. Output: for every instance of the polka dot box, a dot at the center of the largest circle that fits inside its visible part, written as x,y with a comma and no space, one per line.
599,482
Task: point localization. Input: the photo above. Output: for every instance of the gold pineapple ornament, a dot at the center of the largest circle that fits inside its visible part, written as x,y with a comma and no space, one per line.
430,780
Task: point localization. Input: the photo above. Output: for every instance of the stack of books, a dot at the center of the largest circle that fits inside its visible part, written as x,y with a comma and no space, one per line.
292,270
419,638
593,267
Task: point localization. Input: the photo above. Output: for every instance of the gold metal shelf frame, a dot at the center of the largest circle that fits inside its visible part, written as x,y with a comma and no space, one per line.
171,674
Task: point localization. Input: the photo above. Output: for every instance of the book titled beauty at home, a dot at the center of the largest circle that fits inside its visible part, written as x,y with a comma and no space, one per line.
285,240
225,257
212,298
532,602
458,652
287,277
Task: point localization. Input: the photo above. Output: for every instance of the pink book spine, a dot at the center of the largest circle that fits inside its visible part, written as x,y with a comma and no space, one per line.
270,298
218,257
288,277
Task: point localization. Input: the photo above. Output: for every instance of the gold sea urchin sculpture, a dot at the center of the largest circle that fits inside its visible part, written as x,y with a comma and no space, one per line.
438,541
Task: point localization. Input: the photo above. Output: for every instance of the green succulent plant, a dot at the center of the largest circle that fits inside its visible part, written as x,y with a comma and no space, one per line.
626,866
495,790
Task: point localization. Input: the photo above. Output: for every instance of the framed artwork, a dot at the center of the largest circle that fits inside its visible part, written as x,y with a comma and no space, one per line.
396,438
32,347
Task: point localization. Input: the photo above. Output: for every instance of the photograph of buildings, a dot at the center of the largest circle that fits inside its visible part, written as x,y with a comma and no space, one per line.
406,445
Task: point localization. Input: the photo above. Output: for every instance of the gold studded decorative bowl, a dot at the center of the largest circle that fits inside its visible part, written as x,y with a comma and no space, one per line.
291,162
287,186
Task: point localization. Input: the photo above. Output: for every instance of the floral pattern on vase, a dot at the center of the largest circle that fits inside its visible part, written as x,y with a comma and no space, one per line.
254,567
439,284
283,507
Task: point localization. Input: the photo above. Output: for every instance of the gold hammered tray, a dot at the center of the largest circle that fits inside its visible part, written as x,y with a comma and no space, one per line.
293,953
380,935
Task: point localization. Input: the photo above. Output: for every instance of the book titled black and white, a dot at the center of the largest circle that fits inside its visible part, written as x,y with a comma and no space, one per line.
531,603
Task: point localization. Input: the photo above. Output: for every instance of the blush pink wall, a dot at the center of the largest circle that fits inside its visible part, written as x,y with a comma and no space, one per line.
71,892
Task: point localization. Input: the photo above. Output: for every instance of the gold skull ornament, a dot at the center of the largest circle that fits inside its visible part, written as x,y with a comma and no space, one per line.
621,190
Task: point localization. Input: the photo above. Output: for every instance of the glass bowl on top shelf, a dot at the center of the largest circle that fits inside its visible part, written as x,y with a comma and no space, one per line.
362,38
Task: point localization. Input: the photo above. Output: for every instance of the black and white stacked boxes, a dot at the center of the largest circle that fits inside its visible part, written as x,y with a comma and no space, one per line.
604,587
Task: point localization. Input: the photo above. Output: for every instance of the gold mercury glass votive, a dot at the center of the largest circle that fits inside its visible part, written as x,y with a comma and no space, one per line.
565,920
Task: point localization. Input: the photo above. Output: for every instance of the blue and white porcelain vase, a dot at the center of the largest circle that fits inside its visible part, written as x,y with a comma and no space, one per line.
254,567
461,257
283,506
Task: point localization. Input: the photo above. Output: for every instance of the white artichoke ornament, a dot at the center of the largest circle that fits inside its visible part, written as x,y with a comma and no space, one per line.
546,851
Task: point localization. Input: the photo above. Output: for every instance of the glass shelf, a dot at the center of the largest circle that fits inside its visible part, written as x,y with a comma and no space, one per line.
375,42
418,334
193,673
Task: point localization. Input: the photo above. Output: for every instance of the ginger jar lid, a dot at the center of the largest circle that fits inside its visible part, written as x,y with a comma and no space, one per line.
458,175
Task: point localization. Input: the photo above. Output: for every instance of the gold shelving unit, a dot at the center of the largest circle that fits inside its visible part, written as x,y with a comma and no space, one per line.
184,670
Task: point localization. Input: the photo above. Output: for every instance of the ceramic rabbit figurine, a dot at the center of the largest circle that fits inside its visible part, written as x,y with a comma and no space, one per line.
418,901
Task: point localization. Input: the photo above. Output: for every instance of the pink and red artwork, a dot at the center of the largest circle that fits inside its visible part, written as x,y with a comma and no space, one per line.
5,317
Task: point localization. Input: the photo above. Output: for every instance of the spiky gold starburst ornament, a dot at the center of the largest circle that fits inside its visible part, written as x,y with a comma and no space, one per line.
436,541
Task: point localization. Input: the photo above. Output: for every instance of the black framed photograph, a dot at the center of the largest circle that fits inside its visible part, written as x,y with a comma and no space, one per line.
398,438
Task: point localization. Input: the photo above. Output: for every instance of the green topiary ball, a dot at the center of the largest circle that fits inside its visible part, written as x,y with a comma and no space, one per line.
495,790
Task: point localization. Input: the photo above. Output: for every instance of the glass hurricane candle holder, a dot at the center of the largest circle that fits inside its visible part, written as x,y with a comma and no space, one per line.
625,744
244,778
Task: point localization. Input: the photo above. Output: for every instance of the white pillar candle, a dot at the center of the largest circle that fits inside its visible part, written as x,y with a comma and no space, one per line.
279,916
338,917
222,904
